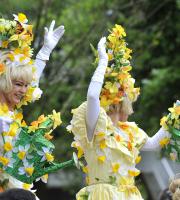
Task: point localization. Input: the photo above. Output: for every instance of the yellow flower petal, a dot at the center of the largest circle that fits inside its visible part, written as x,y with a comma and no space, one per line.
133,173
26,186
173,156
85,169
101,159
49,157
4,161
22,18
7,146
29,170
102,144
138,159
163,142
21,155
57,118
115,167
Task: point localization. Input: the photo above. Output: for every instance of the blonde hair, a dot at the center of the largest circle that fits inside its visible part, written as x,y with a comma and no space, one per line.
21,72
175,189
124,107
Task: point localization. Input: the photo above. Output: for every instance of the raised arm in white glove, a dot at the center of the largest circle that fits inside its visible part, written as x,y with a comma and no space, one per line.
4,124
103,61
93,104
51,38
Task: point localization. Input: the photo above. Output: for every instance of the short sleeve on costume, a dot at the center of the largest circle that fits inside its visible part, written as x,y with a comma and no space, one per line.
78,122
141,138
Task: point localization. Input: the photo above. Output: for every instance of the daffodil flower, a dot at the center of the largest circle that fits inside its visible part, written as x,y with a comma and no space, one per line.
28,187
43,178
22,151
56,117
115,167
138,159
46,154
21,18
9,143
118,31
13,129
27,169
163,142
103,144
7,146
101,159
133,172
7,160
85,169
175,111
113,88
4,110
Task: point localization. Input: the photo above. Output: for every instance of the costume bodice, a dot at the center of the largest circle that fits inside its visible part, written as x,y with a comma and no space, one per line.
112,154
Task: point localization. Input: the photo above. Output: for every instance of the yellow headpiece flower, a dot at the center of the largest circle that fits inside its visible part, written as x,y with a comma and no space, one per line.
15,40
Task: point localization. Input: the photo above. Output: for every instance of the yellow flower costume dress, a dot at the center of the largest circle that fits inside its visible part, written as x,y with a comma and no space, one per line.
111,157
111,153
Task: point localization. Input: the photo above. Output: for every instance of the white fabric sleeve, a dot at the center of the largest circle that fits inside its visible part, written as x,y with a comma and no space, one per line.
93,103
40,65
152,143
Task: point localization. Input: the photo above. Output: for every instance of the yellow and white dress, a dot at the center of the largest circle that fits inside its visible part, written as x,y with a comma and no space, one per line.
111,157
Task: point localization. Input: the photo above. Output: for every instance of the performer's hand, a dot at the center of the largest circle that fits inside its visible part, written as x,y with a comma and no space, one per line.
51,38
5,123
102,49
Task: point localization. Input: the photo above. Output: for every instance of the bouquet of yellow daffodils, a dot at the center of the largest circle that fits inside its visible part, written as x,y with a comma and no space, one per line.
171,123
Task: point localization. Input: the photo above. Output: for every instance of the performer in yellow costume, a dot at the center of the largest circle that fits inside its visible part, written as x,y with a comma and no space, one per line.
109,143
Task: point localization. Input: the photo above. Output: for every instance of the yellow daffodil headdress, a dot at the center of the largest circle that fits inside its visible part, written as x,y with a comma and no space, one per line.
118,81
171,123
15,40
15,51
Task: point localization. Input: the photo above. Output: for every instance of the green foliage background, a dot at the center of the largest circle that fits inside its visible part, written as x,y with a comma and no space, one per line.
152,28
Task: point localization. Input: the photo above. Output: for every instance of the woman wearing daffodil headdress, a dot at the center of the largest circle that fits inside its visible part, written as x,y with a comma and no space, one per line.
19,80
103,136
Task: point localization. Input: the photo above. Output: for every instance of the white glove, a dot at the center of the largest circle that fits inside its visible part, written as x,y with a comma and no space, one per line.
51,38
102,49
5,123
103,61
